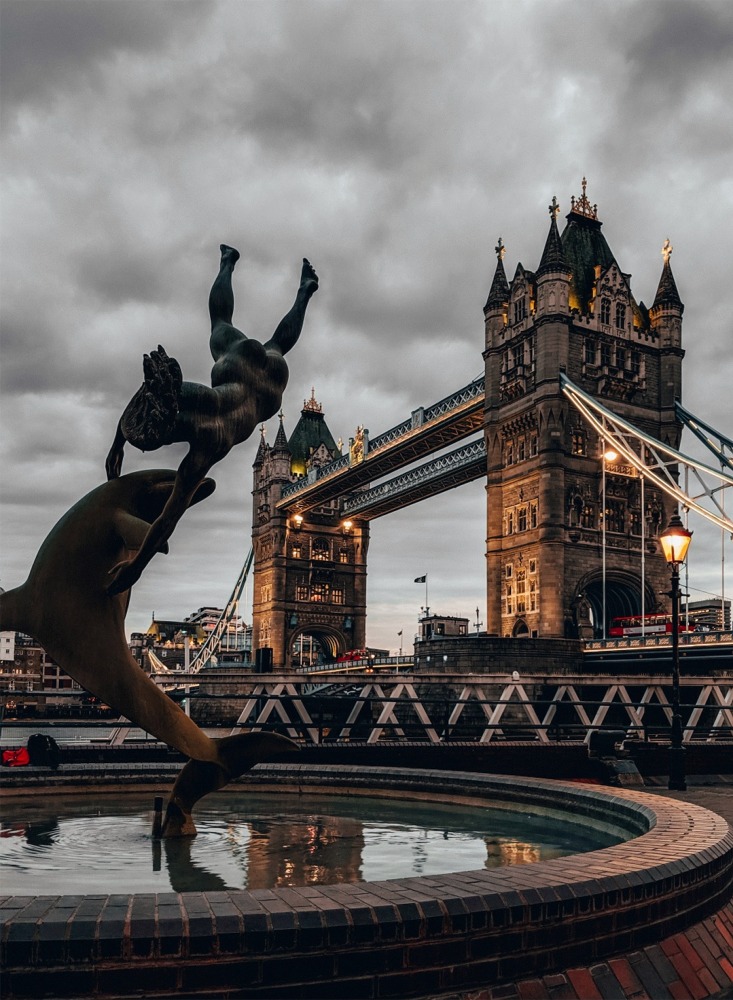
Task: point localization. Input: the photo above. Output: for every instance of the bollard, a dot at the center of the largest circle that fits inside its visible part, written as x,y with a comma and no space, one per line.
157,817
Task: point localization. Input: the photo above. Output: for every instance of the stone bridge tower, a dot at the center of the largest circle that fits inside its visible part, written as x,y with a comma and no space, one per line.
309,585
549,488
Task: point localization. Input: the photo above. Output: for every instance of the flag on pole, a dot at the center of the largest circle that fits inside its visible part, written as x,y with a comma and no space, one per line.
420,579
399,633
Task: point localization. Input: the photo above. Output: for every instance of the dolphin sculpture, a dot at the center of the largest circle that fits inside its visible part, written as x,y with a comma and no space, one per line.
66,606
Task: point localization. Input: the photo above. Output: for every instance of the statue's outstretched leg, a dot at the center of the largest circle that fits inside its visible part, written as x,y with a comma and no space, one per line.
221,301
290,326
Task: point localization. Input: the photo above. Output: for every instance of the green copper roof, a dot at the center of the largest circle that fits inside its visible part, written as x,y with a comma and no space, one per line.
310,432
584,246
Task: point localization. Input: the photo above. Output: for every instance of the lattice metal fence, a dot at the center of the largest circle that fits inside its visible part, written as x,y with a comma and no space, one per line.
483,708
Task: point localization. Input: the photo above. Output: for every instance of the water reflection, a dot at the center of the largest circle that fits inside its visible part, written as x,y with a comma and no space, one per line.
261,841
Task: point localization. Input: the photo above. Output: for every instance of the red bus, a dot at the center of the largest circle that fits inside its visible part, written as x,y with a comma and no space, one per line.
645,624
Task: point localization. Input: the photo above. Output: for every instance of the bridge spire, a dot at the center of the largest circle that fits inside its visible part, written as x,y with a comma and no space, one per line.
553,256
499,291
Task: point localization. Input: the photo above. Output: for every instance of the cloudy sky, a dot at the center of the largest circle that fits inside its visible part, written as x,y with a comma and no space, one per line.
389,141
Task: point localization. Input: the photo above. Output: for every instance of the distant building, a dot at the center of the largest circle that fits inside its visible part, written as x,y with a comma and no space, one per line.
709,615
177,641
434,626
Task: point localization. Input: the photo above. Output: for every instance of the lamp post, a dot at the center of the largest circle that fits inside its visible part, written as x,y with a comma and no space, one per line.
607,455
675,541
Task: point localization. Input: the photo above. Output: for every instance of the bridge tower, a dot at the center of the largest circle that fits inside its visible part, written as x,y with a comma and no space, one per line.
550,556
309,589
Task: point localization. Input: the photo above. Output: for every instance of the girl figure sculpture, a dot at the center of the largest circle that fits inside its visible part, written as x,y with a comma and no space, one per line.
247,384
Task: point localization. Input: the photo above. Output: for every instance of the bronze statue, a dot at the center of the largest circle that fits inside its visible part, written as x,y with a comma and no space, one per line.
66,606
247,383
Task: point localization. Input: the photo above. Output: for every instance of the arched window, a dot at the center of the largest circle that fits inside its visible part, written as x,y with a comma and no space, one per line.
606,311
620,316
320,550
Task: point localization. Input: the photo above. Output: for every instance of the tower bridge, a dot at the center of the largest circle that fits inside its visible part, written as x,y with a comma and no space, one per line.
573,362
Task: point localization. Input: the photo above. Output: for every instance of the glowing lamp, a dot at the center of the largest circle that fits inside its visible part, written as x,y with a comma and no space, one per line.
675,540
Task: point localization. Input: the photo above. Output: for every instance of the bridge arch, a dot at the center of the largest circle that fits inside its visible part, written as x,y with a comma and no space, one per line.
315,644
623,597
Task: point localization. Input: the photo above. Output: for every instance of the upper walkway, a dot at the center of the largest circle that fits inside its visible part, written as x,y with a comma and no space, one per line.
427,430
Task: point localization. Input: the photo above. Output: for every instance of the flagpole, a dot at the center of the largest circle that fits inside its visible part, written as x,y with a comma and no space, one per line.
427,606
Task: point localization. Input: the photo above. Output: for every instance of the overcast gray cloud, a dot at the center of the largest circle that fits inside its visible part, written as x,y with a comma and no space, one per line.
391,142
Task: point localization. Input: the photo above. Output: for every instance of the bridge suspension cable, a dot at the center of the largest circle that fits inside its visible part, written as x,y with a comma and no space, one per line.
211,647
655,461
707,434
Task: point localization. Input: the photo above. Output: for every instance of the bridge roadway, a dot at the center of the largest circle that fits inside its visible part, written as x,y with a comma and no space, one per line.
427,430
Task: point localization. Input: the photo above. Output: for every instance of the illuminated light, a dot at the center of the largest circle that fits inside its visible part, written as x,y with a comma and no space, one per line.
298,519
610,455
675,540
347,525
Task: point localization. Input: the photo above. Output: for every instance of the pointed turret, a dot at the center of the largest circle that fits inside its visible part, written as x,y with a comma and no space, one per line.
553,274
261,450
281,440
667,296
553,256
499,291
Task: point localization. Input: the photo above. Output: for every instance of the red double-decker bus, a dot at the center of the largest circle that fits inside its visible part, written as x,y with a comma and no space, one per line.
653,624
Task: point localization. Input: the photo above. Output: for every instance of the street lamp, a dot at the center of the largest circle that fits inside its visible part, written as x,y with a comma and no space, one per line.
607,455
675,541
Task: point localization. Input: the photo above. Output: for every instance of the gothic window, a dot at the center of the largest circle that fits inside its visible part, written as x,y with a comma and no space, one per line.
590,351
508,570
606,311
605,355
518,355
578,442
532,445
615,515
522,519
301,592
506,362
532,353
620,316
509,601
521,449
319,550
521,592
533,514
576,510
296,551
587,517
320,592
343,555
509,453
621,357
520,310
337,595
636,521
532,595
532,566
635,363
510,522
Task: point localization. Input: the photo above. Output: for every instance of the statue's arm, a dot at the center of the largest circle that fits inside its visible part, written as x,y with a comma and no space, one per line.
113,463
190,476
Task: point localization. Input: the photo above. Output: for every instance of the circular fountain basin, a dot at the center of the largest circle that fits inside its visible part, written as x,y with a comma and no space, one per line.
261,840
408,936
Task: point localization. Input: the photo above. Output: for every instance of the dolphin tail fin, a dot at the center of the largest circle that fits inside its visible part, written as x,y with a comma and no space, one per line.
237,754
